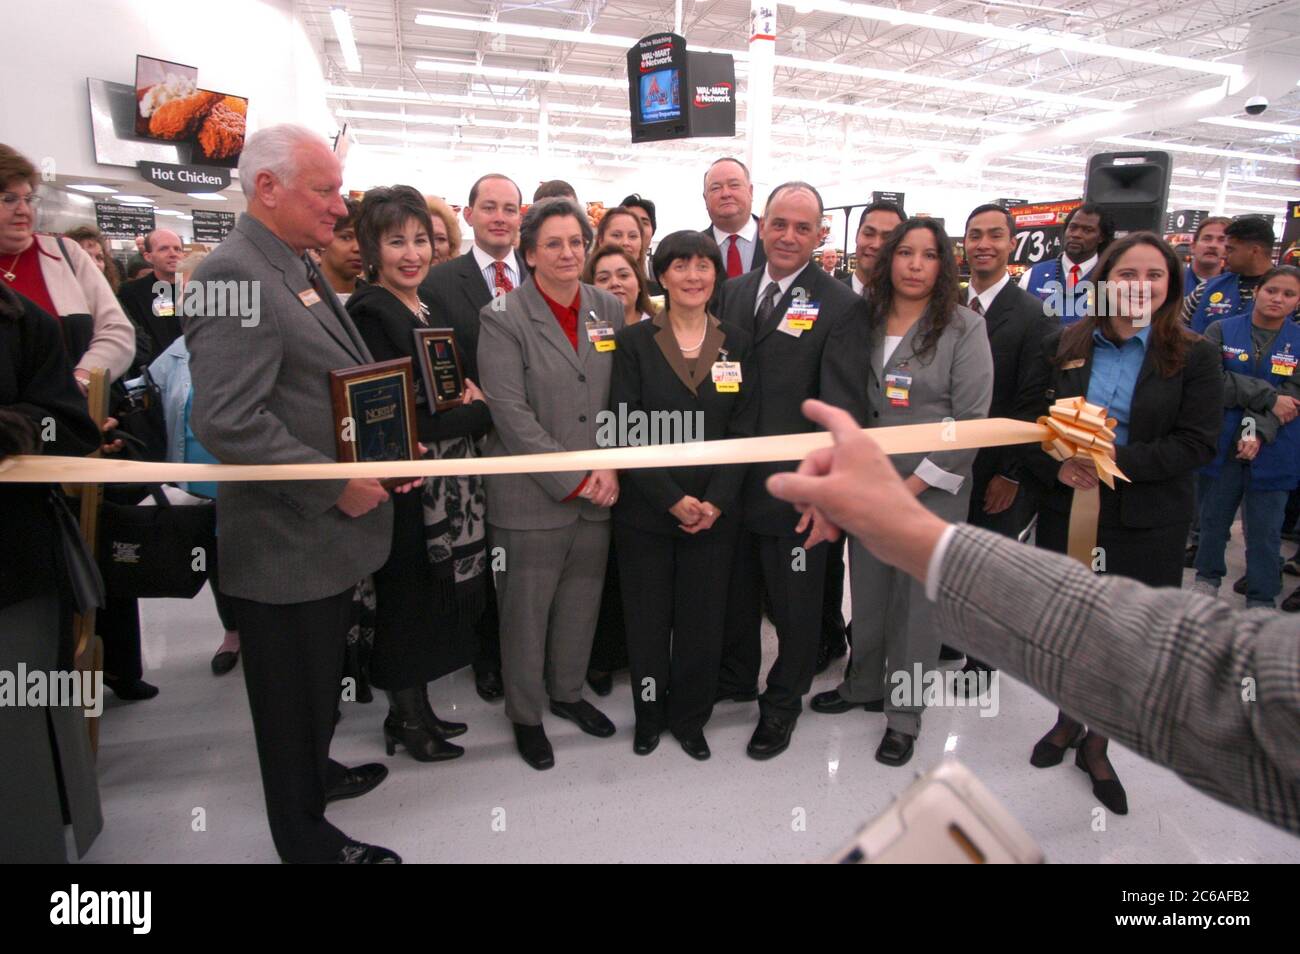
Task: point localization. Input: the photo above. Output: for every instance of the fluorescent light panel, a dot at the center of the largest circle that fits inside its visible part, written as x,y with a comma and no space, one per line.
347,42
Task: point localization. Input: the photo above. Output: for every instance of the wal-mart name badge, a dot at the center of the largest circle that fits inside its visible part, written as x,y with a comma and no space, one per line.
1284,364
898,389
801,315
309,297
726,376
600,333
1230,353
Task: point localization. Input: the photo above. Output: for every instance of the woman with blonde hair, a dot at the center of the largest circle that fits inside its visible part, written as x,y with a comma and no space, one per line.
446,230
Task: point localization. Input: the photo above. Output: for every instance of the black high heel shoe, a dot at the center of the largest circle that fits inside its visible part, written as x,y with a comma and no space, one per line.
1046,753
405,726
1108,790
442,728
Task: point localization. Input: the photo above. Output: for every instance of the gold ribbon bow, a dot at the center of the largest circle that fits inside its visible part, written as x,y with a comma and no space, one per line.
1079,429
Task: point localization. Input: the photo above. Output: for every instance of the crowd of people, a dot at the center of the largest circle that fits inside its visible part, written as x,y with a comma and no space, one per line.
547,582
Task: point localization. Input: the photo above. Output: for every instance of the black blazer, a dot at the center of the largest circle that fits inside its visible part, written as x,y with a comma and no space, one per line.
387,324
651,375
1016,327
455,292
1174,431
832,361
36,384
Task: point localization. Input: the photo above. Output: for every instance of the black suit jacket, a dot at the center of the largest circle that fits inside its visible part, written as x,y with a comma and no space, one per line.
153,333
1174,431
651,375
832,361
455,292
1016,326
760,257
387,326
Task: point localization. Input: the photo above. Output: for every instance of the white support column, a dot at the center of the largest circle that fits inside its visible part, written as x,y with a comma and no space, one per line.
1221,199
762,67
543,128
677,19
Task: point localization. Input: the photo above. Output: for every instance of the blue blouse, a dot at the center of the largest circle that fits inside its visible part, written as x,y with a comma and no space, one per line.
1115,370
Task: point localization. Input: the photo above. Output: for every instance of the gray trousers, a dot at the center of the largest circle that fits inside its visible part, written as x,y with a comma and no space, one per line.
549,595
892,632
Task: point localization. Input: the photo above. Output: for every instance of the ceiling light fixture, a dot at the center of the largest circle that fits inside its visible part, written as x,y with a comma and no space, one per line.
91,187
1201,150
347,41
539,76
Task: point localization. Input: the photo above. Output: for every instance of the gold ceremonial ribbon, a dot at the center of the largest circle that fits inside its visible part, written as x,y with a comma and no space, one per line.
907,439
1079,429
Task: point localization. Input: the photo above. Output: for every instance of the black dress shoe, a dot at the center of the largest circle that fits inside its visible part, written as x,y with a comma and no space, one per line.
1108,790
1047,753
645,741
1240,586
602,684
895,748
832,703
771,737
740,695
588,718
224,661
442,728
947,654
355,782
695,746
359,854
420,742
534,746
130,690
489,686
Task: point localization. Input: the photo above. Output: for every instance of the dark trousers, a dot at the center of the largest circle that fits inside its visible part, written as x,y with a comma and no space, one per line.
487,631
674,604
742,641
225,606
609,651
833,595
1009,523
118,625
293,667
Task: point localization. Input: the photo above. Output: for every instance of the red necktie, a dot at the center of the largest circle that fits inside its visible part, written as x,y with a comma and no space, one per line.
976,305
1074,276
734,265
502,279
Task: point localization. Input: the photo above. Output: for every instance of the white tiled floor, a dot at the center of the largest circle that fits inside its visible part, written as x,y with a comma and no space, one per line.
191,748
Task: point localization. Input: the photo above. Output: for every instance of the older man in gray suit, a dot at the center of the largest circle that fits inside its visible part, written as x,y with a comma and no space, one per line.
545,353
291,552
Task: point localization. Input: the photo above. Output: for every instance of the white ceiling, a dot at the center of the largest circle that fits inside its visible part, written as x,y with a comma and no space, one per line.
866,110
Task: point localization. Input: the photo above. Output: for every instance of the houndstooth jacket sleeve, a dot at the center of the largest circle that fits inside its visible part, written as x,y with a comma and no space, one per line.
1187,681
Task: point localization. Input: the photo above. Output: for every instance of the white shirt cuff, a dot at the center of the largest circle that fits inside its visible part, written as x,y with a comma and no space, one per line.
936,563
938,478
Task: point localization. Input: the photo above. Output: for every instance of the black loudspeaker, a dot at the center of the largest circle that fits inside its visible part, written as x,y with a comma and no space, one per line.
1132,186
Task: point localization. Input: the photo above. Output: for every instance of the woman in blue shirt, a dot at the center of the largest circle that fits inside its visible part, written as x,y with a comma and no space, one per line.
1162,385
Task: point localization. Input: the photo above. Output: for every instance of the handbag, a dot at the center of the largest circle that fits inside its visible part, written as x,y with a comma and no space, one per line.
85,583
156,552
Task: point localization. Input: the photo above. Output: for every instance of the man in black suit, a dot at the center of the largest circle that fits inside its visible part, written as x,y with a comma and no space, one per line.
153,309
1016,325
456,291
810,340
877,221
729,197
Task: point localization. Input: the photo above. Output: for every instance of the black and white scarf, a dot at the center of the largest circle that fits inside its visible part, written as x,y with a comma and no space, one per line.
455,532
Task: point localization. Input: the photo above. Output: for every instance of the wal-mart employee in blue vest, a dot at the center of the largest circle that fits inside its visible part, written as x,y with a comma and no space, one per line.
1248,254
1258,463
1066,279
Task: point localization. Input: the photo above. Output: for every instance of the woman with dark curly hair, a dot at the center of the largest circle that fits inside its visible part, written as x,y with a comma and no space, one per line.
930,362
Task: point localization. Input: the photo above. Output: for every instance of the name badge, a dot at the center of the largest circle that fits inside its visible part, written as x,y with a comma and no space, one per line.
898,389
163,307
802,314
309,297
1230,353
600,333
726,376
1284,364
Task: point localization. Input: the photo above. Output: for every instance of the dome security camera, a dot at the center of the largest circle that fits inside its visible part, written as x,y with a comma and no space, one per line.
1256,105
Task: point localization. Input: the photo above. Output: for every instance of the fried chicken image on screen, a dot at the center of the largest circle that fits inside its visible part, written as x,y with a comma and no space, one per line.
222,133
178,118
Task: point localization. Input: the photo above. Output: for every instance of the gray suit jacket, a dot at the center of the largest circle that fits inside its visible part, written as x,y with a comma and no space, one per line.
1182,679
262,396
543,398
954,381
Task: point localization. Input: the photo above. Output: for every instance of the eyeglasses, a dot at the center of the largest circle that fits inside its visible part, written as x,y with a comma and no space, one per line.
556,245
11,199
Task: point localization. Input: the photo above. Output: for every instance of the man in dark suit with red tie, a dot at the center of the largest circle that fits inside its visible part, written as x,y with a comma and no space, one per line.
456,292
729,197
810,340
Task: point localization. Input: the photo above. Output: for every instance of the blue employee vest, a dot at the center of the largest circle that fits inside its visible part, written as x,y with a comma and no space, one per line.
1047,281
1277,467
1220,298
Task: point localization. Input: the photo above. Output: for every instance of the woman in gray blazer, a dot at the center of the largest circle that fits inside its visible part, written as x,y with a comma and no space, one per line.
545,353
930,362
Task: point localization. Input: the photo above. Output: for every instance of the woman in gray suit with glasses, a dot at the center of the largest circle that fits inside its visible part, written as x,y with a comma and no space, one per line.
545,353
930,362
